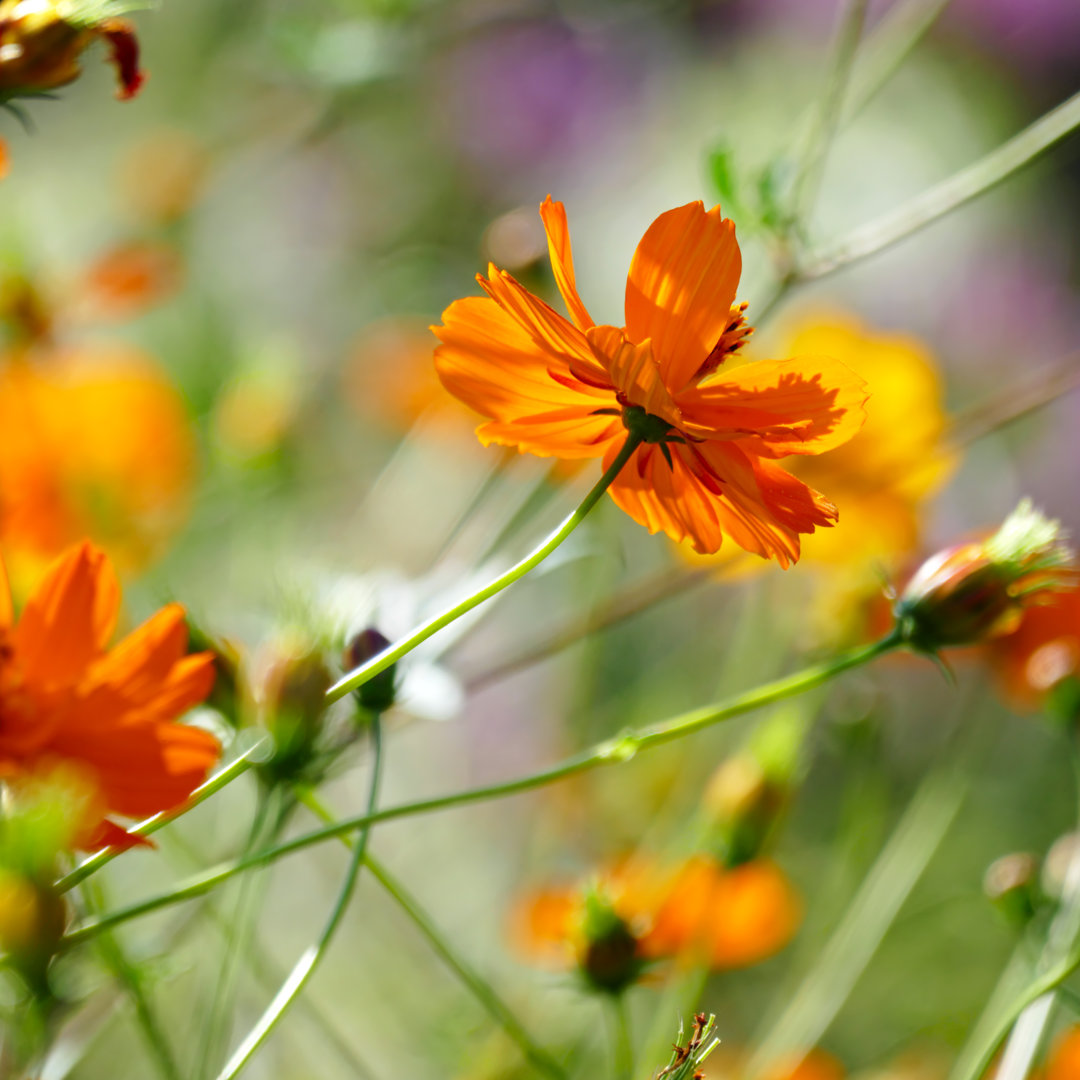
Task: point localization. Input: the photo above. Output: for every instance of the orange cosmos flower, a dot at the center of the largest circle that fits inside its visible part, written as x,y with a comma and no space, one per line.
69,702
96,442
712,429
697,910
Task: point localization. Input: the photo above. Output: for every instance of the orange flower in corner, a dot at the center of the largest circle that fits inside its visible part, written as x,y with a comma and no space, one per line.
69,703
712,428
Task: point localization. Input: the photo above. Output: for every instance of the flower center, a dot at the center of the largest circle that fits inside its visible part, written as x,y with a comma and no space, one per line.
645,426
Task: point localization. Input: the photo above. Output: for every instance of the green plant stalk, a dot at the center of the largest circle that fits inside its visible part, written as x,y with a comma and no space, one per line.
901,863
151,825
610,752
269,976
305,967
112,953
358,676
622,1044
216,1025
901,28
950,194
826,120
1062,940
1011,981
1046,983
481,989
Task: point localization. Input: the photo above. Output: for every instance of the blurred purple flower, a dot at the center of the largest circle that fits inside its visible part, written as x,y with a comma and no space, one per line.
517,95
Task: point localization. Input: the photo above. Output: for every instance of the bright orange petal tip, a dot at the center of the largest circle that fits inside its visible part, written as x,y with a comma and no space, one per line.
70,701
567,388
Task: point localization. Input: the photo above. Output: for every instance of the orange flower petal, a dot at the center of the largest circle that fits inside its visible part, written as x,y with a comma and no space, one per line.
144,659
678,500
633,370
553,215
1064,1060
109,834
544,925
7,609
681,286
68,621
806,405
766,507
141,769
756,914
490,361
548,329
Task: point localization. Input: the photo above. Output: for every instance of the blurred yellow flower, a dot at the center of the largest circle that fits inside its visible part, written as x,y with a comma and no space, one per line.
880,479
96,443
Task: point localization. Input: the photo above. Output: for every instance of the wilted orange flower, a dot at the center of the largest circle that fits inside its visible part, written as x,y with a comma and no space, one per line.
712,428
697,910
1041,652
42,41
95,443
68,701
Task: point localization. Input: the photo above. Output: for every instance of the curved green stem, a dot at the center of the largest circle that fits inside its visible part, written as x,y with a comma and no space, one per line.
952,193
358,676
481,989
158,821
306,965
611,752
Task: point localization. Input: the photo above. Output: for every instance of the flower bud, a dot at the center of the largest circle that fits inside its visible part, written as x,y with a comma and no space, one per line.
293,700
973,591
32,920
376,695
1058,865
42,41
611,958
1012,884
743,803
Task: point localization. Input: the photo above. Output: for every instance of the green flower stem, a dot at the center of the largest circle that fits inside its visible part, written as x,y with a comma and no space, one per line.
622,1044
129,977
358,676
611,752
216,1026
826,120
151,825
943,198
901,863
305,967
481,989
901,28
1027,1028
1045,984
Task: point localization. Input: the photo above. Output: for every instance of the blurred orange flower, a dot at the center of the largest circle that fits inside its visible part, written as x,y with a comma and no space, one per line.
712,429
1043,650
96,442
697,911
42,41
1064,1060
389,376
109,715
